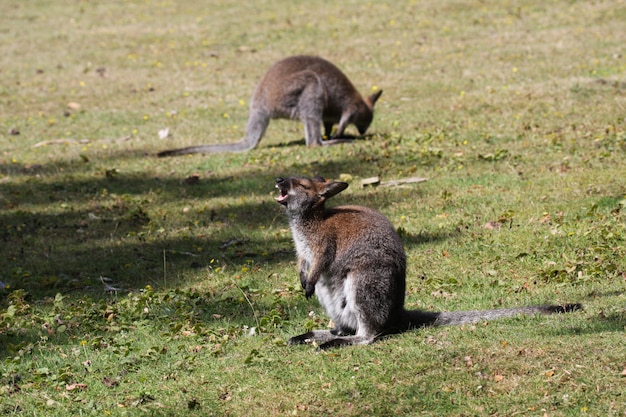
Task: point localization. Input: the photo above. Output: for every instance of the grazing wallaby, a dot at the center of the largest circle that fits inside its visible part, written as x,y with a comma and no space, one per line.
305,88
353,259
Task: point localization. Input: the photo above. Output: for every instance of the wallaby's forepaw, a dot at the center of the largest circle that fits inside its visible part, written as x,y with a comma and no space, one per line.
303,279
309,289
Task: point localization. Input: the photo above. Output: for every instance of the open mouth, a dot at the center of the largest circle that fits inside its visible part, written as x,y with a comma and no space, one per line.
283,187
282,198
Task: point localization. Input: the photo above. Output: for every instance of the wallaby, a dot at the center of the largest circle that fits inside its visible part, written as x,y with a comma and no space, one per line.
354,260
305,88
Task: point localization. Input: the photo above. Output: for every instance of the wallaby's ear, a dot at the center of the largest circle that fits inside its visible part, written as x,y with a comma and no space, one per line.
371,100
333,188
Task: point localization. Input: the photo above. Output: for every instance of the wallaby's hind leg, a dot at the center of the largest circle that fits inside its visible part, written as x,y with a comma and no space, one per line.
309,108
256,127
312,132
317,336
326,339
347,341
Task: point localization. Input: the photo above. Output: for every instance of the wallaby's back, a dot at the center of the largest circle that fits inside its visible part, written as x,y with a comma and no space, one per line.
281,87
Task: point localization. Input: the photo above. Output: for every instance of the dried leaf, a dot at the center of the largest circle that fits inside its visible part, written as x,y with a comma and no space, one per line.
72,387
468,361
110,382
492,225
164,133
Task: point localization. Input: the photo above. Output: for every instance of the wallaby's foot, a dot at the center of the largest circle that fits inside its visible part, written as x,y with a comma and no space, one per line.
336,141
328,339
314,336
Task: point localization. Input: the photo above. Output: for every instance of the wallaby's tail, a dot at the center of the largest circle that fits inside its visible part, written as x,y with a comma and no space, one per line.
241,146
255,129
419,318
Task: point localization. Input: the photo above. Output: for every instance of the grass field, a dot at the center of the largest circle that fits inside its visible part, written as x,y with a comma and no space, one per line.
133,285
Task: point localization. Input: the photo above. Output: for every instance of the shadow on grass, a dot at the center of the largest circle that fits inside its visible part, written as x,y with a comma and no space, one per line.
69,223
48,253
601,323
168,313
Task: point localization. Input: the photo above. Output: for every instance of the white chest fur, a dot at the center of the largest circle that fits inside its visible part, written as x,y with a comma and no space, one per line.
302,247
339,302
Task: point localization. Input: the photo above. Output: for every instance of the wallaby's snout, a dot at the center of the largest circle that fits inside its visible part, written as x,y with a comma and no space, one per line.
283,187
362,128
366,116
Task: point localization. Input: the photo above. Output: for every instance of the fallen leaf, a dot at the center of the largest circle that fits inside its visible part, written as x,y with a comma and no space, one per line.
441,293
468,361
492,225
109,382
545,218
51,403
72,387
164,133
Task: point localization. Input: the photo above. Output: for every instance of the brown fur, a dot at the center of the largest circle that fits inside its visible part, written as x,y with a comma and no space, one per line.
305,88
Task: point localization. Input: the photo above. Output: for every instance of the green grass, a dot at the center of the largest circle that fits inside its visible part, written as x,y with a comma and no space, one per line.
513,111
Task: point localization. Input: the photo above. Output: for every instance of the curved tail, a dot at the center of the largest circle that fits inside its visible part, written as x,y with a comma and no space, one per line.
255,129
417,318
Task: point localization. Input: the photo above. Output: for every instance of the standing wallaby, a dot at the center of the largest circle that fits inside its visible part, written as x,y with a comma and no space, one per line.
353,259
305,88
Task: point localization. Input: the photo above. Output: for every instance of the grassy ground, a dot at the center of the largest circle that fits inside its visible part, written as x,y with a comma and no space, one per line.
136,285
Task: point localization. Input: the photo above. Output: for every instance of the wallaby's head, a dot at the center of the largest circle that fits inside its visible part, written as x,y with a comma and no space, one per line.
364,118
306,194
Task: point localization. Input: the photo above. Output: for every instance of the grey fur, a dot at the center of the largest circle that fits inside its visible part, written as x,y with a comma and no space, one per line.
305,88
353,259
